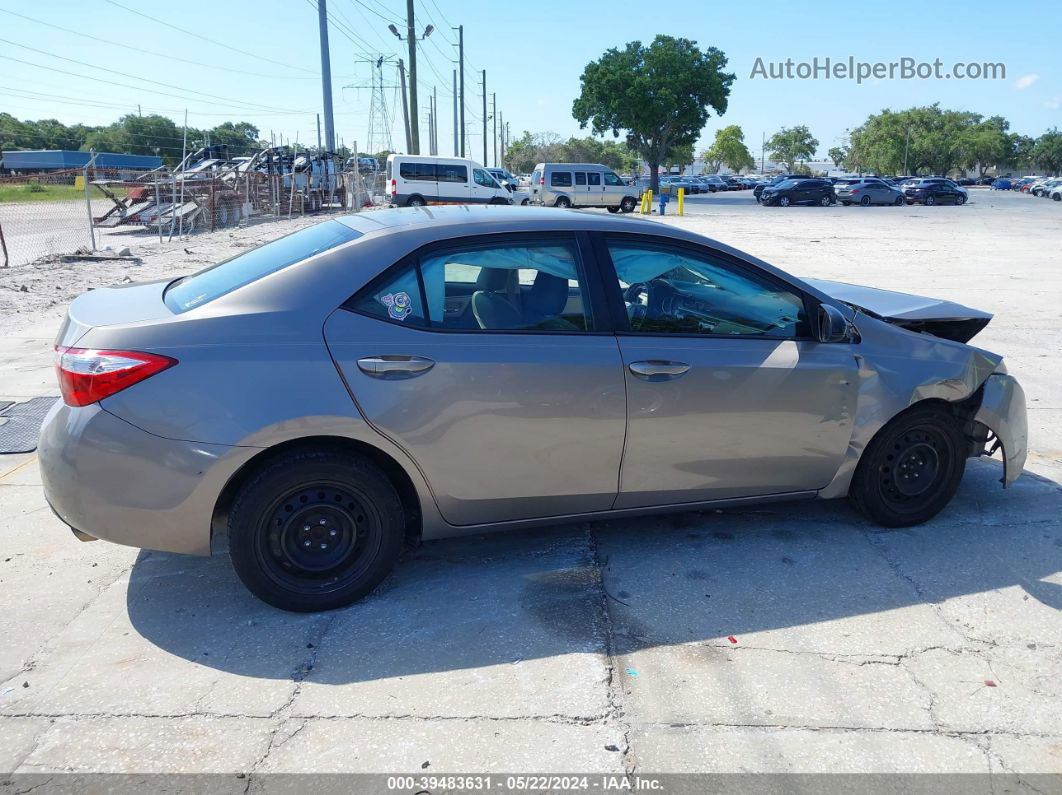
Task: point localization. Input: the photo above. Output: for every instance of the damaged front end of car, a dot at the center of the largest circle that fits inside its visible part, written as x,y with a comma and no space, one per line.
898,370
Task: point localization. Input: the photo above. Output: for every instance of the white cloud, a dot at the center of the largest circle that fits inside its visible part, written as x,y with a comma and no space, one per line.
1053,104
1026,80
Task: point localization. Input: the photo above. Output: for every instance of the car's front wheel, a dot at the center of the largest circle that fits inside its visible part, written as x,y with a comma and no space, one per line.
929,200
315,529
899,201
784,201
628,204
960,200
911,468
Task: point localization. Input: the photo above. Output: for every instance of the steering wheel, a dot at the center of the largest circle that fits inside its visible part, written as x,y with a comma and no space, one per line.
644,299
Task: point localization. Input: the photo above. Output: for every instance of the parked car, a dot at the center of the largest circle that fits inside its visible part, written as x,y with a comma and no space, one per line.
581,185
799,191
758,190
1043,189
520,195
933,191
1001,184
414,374
868,191
713,183
1055,193
418,180
676,181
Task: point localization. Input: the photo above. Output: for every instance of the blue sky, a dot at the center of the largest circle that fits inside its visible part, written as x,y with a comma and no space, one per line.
533,51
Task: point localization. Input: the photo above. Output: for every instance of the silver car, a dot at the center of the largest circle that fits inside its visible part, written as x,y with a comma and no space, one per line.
868,191
416,373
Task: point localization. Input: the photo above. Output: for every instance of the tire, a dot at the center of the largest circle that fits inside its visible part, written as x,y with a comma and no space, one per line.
899,201
960,200
613,210
416,201
865,201
1057,197
923,442
628,204
563,202
315,529
783,202
929,200
524,203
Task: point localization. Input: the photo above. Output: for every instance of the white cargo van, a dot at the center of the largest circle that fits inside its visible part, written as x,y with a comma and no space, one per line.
417,180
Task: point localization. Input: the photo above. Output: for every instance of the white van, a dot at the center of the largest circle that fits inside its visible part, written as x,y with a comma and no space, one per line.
582,185
417,180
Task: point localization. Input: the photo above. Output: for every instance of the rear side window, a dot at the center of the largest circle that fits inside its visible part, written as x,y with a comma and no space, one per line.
593,178
217,280
580,177
561,179
452,173
424,172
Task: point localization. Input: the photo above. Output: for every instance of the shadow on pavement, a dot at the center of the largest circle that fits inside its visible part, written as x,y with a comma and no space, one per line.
467,603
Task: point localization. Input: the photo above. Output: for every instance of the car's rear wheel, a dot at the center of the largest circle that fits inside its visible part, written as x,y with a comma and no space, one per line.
627,205
315,529
929,200
415,201
563,202
865,201
911,468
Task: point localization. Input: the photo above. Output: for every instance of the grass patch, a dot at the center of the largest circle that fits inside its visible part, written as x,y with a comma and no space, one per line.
35,192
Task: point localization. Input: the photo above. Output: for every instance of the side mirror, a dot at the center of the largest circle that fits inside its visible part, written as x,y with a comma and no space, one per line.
833,325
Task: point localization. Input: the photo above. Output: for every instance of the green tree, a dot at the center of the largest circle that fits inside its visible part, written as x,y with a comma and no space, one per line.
1048,151
984,144
838,155
791,144
659,95
678,157
729,148
241,137
1020,150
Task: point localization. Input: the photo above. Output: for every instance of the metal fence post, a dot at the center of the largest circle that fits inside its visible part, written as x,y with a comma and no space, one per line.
88,200
3,245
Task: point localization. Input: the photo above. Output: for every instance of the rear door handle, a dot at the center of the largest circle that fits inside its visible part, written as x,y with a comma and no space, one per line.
647,369
395,365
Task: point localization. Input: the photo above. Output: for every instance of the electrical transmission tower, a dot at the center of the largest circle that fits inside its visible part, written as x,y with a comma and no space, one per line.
380,118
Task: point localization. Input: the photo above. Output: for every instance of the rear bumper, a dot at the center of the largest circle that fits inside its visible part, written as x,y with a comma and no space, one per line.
1003,411
111,480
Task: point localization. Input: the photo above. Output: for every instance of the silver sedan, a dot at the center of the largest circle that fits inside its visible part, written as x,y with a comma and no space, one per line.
410,374
869,191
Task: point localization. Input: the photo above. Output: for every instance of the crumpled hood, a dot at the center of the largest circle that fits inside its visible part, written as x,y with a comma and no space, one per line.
944,319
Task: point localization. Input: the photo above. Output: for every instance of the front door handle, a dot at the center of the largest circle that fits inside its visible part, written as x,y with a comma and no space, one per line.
395,365
656,367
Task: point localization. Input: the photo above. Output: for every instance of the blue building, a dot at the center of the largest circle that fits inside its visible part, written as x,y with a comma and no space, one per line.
35,161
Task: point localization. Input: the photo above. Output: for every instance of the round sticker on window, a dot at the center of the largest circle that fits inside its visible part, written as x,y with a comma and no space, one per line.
398,305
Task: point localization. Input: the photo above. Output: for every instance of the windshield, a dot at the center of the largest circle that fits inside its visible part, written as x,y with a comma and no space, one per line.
189,292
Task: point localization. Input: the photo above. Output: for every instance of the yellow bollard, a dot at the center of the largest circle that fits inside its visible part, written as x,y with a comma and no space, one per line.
681,197
648,202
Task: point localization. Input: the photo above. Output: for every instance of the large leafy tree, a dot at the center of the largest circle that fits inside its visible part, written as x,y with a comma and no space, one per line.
241,137
792,144
530,149
659,95
1048,151
728,148
927,139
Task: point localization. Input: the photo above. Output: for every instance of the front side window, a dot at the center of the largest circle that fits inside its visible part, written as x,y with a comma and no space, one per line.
560,179
673,290
612,179
484,179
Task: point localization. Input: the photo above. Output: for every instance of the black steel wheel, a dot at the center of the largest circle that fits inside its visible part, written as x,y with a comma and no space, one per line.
563,202
865,201
315,530
911,468
416,201
628,204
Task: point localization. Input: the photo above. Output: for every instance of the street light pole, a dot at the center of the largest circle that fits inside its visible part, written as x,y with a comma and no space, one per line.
411,38
484,118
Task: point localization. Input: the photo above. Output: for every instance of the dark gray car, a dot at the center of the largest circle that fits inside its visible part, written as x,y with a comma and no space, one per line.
419,373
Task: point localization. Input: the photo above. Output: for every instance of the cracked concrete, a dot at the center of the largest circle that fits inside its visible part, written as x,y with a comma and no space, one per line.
787,638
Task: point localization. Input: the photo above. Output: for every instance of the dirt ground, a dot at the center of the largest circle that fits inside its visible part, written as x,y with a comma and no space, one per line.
784,639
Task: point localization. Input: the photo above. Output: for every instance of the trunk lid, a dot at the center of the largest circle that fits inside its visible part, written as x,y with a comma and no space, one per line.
112,306
940,318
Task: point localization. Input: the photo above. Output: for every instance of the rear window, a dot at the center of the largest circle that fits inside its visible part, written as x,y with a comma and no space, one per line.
189,292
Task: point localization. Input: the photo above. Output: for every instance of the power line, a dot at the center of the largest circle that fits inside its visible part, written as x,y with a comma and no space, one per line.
251,105
167,56
206,38
377,13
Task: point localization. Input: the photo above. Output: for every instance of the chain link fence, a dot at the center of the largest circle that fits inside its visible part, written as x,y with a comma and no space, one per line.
60,213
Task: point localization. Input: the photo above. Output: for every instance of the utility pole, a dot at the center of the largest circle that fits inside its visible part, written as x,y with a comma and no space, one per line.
455,113
405,109
461,71
326,75
906,147
435,115
763,148
484,117
494,116
414,122
502,139
318,132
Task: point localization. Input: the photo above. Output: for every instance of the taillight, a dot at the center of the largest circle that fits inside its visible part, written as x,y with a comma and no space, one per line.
542,179
855,191
394,187
87,375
